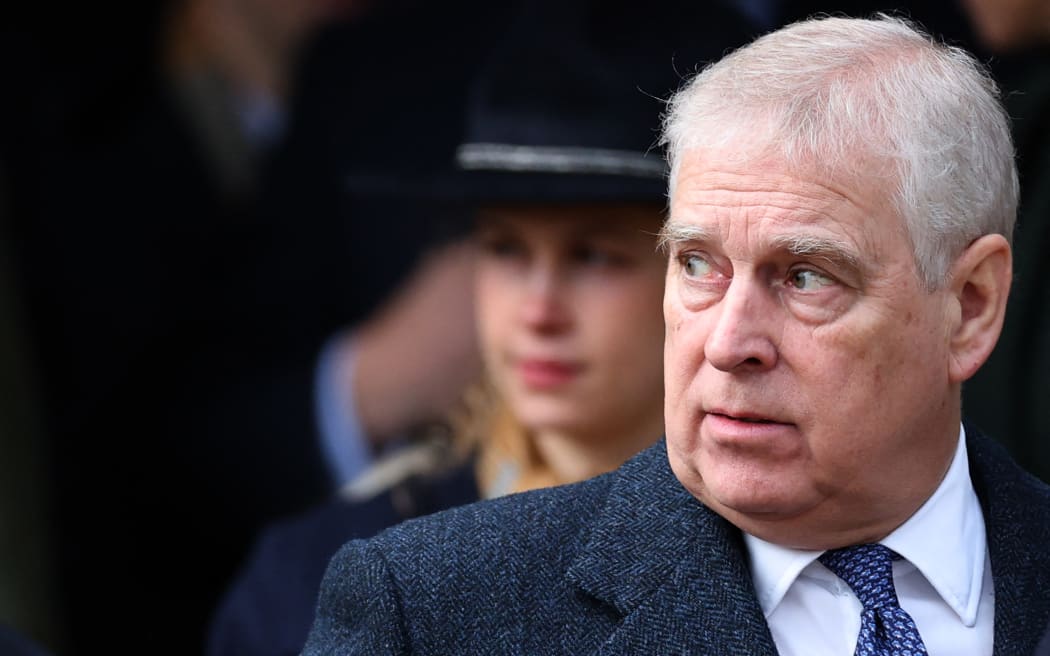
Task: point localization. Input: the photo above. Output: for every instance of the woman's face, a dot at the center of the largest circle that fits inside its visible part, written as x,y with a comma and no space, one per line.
569,303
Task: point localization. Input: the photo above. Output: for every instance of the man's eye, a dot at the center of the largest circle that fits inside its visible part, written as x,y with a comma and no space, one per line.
696,266
809,281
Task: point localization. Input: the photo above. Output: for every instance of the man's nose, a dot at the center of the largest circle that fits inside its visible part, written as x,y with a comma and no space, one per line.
544,307
742,335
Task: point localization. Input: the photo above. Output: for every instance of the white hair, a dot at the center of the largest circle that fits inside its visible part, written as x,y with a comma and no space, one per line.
868,101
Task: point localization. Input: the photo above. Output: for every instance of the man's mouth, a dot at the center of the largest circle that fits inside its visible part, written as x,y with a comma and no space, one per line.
748,418
727,418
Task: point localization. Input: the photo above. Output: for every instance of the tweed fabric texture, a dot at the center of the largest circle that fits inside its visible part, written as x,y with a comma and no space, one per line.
1044,645
886,629
626,563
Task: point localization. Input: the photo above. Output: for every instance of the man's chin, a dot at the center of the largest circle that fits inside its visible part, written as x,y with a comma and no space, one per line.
750,506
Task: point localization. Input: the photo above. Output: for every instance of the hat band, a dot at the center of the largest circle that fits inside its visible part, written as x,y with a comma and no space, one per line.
558,159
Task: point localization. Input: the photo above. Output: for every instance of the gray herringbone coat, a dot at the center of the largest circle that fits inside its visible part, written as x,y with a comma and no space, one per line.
626,563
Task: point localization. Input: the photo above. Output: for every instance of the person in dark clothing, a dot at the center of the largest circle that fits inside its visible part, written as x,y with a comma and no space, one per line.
13,643
178,290
558,160
838,265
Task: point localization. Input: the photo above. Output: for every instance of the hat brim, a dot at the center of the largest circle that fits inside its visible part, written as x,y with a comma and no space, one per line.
480,187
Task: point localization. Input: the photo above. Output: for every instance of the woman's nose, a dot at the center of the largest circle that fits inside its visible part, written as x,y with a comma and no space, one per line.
544,306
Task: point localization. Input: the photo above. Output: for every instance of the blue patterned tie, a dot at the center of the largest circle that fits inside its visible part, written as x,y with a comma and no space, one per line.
886,629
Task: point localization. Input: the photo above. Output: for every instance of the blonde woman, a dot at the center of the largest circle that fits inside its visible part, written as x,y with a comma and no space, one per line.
569,193
571,333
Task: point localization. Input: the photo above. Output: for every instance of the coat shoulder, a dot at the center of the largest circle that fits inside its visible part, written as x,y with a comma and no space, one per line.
489,577
528,526
461,580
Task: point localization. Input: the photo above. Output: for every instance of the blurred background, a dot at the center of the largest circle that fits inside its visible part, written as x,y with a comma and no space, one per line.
179,244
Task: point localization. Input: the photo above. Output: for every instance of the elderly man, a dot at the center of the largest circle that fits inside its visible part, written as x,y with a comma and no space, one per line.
842,195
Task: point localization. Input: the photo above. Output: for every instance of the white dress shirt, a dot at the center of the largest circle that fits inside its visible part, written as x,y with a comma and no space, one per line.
944,580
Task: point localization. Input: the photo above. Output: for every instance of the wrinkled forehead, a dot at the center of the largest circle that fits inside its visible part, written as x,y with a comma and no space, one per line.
715,197
849,170
752,137
762,176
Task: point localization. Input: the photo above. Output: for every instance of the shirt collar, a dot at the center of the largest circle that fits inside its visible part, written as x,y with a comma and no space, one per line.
774,568
944,539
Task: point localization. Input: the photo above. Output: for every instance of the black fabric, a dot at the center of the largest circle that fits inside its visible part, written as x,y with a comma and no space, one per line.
269,608
581,75
1044,645
13,643
176,326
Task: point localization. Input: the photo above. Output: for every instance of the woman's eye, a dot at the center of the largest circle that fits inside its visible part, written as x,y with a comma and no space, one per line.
588,255
501,247
598,256
696,266
808,281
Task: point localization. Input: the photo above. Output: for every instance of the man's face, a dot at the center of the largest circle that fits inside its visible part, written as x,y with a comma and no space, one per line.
808,398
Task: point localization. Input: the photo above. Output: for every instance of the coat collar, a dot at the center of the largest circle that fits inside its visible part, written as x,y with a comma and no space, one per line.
673,570
677,575
1017,519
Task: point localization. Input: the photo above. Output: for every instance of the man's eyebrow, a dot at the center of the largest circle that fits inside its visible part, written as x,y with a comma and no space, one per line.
674,233
832,250
835,251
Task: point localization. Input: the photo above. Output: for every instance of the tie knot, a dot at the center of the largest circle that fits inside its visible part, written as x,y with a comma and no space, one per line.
868,570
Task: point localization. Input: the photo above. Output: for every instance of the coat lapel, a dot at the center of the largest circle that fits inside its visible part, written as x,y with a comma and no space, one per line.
675,574
1017,519
672,570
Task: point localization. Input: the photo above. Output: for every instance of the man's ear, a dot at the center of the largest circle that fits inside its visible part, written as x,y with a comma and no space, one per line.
980,284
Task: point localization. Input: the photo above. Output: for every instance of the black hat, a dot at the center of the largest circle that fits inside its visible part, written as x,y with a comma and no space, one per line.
568,107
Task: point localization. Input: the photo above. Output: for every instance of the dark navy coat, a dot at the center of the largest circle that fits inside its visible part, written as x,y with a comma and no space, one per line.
1044,645
14,643
626,563
269,608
